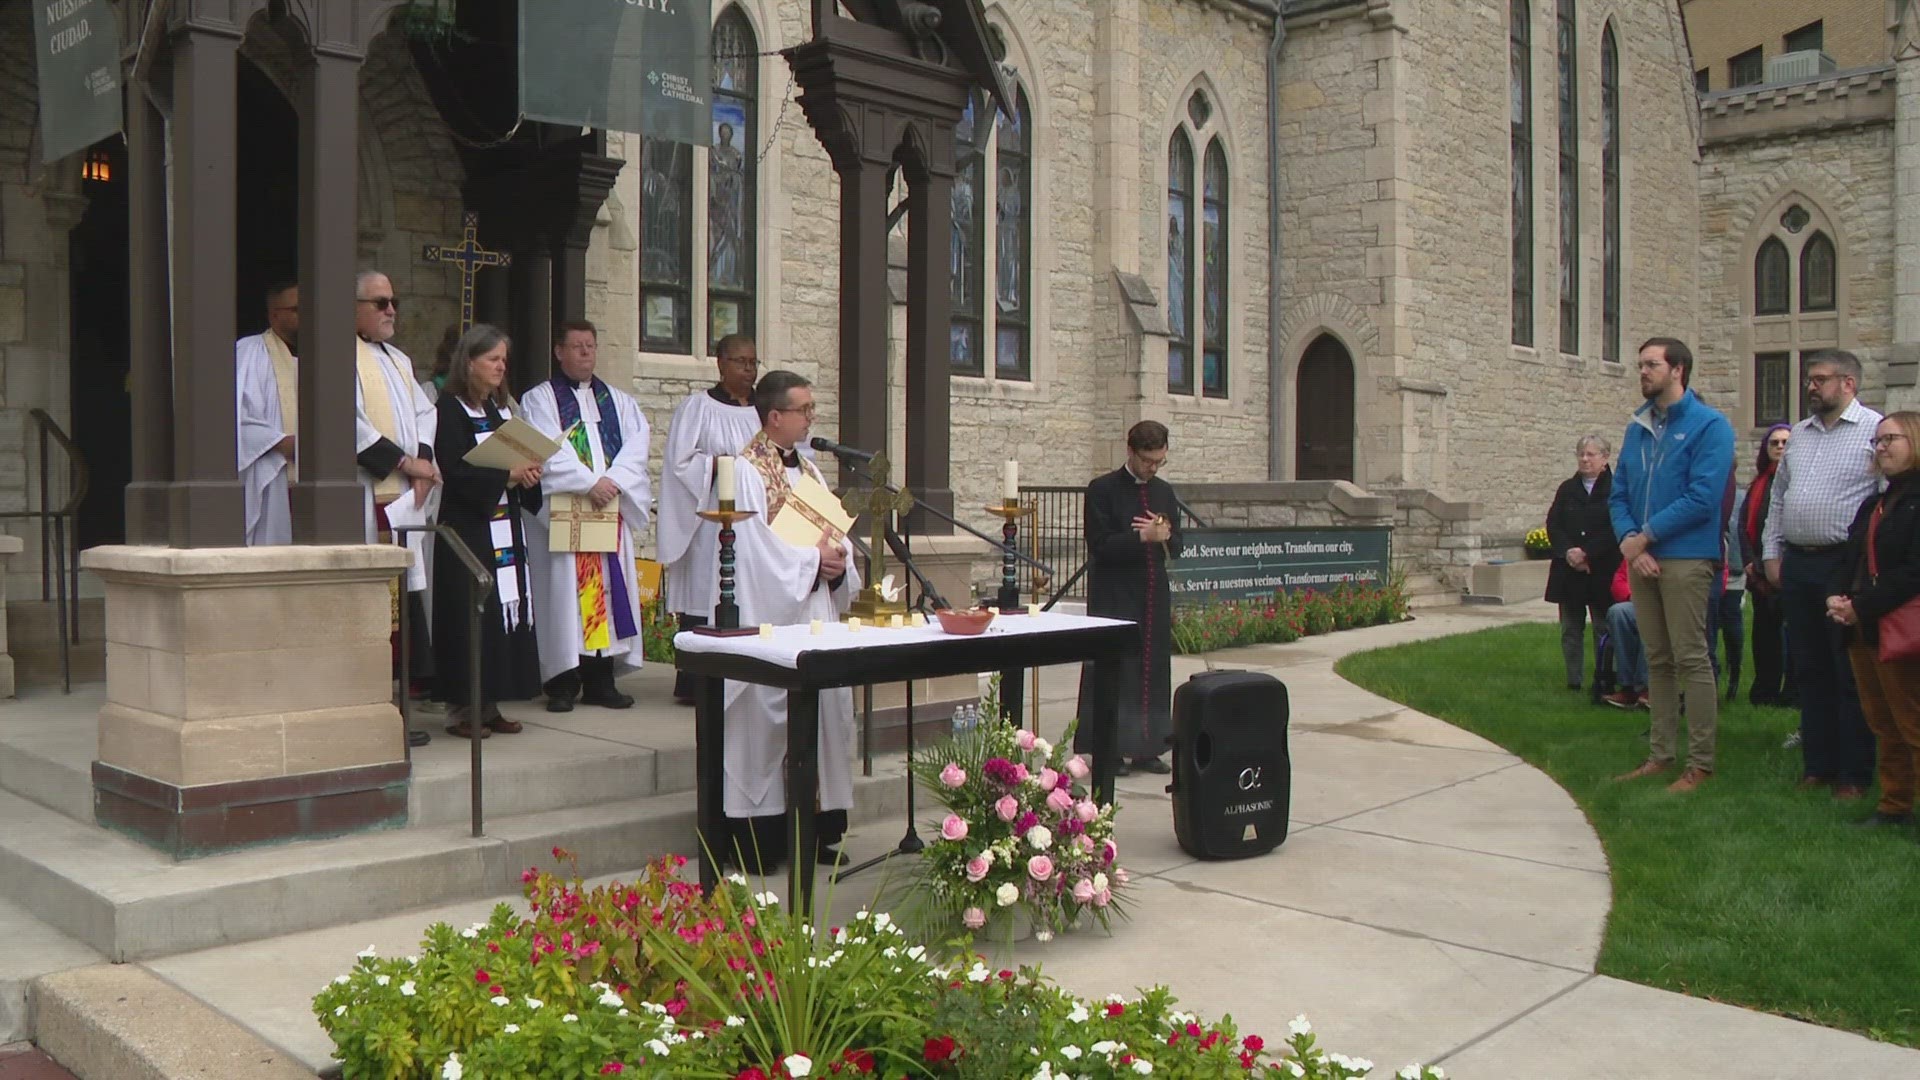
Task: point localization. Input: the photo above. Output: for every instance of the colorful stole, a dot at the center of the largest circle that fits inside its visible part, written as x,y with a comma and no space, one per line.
286,380
599,580
370,364
764,456
507,571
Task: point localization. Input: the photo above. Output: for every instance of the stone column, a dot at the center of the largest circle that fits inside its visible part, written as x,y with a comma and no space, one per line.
249,695
1904,367
864,302
150,359
929,316
1125,353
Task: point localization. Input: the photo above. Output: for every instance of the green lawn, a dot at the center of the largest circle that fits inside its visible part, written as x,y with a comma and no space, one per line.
1746,891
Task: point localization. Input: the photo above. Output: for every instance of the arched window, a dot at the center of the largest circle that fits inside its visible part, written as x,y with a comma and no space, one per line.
1816,274
1569,125
1179,264
995,172
1520,124
1610,296
707,263
1770,288
1213,292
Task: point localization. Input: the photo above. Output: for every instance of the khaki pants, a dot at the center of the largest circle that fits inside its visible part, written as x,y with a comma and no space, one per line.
1672,610
1890,696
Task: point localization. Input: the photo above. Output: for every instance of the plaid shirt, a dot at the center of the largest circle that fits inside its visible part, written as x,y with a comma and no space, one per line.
1826,475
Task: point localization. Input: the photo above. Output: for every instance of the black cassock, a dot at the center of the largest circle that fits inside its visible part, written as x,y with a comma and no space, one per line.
1127,579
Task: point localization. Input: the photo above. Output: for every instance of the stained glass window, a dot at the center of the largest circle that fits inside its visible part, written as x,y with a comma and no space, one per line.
666,243
732,163
1771,391
1013,240
1213,292
966,250
1520,123
1771,295
1817,274
1609,196
1569,101
1179,264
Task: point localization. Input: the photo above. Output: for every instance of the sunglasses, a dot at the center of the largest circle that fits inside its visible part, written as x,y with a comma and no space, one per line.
384,303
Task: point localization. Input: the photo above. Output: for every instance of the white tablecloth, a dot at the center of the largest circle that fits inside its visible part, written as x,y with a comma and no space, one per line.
784,646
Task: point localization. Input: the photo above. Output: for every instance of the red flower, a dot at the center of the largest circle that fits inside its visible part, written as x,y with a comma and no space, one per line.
939,1049
1254,1044
493,946
861,1060
1116,1009
481,976
612,1067
751,1072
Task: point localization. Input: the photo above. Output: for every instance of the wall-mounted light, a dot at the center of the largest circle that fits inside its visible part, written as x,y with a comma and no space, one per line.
98,166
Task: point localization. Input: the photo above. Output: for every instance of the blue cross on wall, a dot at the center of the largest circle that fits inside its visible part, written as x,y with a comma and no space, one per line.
470,258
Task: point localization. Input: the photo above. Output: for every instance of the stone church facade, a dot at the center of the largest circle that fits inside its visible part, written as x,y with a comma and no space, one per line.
1450,299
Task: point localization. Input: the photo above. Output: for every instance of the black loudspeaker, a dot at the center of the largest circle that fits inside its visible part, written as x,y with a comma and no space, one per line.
1232,778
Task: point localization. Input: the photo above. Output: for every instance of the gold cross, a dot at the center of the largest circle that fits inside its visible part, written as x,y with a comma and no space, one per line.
877,502
470,258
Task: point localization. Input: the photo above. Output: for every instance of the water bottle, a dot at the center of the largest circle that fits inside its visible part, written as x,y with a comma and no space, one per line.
973,717
959,719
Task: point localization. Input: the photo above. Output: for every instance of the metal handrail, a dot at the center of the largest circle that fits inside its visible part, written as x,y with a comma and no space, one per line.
59,529
1043,534
482,578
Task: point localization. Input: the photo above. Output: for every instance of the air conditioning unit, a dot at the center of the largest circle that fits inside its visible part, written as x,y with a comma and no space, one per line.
1796,66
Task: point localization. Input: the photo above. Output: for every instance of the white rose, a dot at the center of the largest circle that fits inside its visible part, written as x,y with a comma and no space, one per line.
1099,883
1040,837
1006,894
1043,747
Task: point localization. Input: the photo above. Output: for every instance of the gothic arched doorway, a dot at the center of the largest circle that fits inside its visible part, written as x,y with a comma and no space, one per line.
1323,412
267,186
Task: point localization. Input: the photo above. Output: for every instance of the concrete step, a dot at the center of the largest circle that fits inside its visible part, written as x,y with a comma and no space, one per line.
1428,591
32,949
127,1023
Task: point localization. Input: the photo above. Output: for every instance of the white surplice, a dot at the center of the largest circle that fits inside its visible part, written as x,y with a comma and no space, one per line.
555,584
702,428
263,469
414,416
778,583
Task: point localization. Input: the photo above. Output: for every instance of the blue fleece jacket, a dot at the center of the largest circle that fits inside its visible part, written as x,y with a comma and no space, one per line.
1672,488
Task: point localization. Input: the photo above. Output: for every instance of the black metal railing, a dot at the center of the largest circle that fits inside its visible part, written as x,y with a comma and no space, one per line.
482,592
59,539
1055,534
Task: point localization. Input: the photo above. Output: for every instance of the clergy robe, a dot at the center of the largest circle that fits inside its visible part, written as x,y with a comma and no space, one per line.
383,436
778,583
705,426
566,583
266,405
1127,579
489,518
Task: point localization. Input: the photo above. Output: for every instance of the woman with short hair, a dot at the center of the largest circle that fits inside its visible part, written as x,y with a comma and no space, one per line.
1585,553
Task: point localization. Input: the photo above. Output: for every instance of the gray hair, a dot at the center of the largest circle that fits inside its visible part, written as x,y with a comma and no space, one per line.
361,279
1848,363
1598,441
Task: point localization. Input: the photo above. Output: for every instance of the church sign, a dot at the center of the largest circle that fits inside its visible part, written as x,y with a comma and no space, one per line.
79,49
638,66
1241,564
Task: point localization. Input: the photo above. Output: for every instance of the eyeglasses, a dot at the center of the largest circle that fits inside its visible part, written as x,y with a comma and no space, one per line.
384,303
1822,380
1881,442
805,410
1776,442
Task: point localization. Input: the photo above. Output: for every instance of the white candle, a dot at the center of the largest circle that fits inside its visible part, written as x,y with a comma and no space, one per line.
1011,492
723,478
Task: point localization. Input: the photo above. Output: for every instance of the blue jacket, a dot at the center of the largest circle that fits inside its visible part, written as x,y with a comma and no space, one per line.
1673,488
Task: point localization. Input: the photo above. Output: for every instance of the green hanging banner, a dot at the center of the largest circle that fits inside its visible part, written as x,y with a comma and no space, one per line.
639,66
79,46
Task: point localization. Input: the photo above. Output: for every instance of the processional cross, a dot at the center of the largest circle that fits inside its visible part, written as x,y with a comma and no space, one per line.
877,502
470,258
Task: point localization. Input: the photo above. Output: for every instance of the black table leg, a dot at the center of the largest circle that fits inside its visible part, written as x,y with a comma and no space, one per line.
709,755
803,796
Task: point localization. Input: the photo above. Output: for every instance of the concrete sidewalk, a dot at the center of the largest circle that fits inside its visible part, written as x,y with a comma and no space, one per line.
1438,900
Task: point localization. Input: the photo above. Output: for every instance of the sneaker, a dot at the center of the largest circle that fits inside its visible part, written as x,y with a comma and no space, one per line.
1622,699
1689,780
1793,740
1644,702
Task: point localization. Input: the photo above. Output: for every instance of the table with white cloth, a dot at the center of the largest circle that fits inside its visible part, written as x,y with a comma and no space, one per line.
803,663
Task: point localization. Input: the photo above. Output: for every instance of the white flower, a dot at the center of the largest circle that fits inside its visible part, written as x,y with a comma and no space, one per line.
1105,1046
1362,1065
882,921
382,980
1411,1072
570,1019
1294,1068
469,933
452,1070
1043,936
1043,747
534,1003
766,899
734,1021
1299,1026
366,953
1078,1015
499,1000
977,973
737,878
889,952
1071,1053
659,1048
1046,1070
1439,1073
412,960
1142,1066
341,980
340,1010
862,915
611,1000
407,988
622,1012
798,1065
1040,837
1341,1060
1006,894
511,1029
1100,885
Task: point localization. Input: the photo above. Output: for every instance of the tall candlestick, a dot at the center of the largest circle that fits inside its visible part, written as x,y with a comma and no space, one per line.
1011,488
723,479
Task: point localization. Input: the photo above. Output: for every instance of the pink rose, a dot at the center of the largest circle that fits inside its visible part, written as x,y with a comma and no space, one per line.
953,775
1059,800
1120,875
1025,739
1077,767
1083,891
1007,808
977,867
1102,897
1110,851
954,828
1020,773
1085,842
1039,868
973,918
1048,779
1085,810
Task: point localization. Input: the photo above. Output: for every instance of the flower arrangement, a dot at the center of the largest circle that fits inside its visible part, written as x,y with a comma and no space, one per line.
657,627
1021,832
1286,616
1537,543
655,980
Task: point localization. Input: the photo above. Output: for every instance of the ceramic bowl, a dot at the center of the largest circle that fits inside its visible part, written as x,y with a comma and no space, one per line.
972,621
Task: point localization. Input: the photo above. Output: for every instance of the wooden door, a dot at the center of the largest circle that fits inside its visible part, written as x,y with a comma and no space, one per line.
1323,412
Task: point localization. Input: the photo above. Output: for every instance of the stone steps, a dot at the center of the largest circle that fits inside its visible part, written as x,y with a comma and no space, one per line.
33,949
1428,591
125,1022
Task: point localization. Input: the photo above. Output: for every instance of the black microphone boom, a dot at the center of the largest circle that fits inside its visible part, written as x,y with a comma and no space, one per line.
828,446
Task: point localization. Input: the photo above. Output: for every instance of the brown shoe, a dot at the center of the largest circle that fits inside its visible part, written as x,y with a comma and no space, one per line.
1849,792
1622,699
459,729
1690,779
504,726
1648,768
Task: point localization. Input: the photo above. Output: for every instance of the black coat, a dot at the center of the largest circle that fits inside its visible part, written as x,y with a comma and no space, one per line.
1581,520
1897,548
1127,579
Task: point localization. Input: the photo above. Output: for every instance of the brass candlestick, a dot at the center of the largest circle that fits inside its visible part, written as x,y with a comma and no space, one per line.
726,613
1009,511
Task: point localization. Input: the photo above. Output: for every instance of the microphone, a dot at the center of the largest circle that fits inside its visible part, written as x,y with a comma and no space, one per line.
845,453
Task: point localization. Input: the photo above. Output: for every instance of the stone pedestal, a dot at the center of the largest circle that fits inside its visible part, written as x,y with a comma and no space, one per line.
9,547
1508,582
249,695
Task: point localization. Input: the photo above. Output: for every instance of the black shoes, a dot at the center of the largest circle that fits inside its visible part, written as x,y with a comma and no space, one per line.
831,857
606,697
416,737
559,701
1151,765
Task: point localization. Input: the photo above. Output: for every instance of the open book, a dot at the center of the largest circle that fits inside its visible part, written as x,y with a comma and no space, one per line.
810,512
512,444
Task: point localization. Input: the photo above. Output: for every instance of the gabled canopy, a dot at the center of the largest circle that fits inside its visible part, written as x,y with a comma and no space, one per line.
941,30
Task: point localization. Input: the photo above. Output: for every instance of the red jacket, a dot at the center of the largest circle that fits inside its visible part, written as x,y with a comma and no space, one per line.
1622,589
